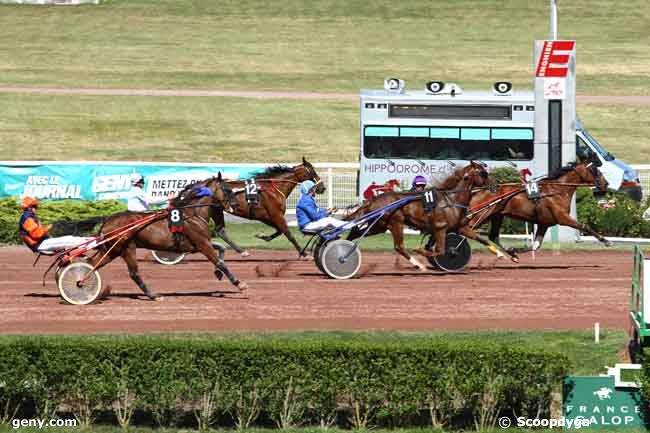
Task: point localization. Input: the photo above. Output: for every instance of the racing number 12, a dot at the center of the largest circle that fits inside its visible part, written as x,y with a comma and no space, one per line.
251,188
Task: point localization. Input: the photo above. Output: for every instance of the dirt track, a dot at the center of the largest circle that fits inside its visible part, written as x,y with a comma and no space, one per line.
572,290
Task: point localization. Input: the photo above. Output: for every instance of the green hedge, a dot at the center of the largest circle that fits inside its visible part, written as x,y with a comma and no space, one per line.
51,211
614,215
244,381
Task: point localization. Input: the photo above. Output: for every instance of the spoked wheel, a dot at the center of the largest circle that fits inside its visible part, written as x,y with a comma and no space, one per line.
79,284
340,259
458,253
167,257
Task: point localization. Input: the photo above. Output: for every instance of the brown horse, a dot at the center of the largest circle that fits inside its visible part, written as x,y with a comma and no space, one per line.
451,200
156,235
273,187
551,208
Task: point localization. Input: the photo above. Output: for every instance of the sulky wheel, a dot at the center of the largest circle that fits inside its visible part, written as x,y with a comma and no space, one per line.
340,259
167,257
79,284
458,253
318,250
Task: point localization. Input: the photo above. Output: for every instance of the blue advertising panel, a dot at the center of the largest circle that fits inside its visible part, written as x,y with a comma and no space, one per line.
100,181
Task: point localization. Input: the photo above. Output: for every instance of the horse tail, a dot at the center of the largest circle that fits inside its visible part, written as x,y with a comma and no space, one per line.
76,228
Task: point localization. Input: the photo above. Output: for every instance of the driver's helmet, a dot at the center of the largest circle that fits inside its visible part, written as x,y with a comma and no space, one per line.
419,180
136,179
28,203
306,186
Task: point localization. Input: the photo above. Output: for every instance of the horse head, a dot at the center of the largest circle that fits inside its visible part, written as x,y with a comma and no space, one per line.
221,192
306,171
590,173
475,174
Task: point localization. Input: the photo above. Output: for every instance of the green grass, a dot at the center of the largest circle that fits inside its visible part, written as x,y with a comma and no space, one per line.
334,45
230,129
176,129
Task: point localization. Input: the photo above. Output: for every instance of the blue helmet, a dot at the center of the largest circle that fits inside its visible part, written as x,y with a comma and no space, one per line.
306,186
202,191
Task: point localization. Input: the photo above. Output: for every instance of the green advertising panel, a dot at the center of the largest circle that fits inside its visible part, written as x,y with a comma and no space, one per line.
598,401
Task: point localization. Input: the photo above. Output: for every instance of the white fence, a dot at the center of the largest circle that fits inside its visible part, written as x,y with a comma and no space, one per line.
341,182
644,178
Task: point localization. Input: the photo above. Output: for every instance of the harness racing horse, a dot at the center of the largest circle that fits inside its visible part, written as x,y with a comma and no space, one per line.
551,208
273,186
195,205
451,200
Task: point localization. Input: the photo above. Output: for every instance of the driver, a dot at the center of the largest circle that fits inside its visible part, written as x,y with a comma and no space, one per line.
36,236
310,216
419,184
138,201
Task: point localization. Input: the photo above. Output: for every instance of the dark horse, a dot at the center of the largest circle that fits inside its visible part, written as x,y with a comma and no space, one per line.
156,235
273,187
552,207
451,197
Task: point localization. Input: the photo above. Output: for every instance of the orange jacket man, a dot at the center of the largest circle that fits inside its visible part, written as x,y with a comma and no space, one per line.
31,230
36,236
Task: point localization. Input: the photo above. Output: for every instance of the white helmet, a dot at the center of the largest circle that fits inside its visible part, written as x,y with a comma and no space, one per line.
136,179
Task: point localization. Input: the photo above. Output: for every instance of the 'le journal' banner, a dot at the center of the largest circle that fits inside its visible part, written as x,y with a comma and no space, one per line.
103,181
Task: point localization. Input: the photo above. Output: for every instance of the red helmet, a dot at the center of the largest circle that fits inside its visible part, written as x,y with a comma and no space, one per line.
29,202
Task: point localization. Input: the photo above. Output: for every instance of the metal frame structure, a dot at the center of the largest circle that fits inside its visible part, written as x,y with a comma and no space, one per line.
638,302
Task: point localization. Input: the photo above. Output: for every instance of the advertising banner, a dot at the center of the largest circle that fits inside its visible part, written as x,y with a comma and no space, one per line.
102,181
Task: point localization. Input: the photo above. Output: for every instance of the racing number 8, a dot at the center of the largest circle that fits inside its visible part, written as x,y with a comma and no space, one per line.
175,216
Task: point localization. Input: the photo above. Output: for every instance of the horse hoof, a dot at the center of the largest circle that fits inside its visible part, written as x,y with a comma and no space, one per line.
245,254
514,259
609,244
218,274
262,236
154,297
307,257
242,286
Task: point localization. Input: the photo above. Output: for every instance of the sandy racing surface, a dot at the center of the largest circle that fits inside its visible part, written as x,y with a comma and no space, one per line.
570,290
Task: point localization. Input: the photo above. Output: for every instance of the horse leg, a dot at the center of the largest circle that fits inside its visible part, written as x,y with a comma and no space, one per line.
537,243
129,256
280,224
494,248
268,238
495,230
564,219
220,223
220,268
221,232
397,230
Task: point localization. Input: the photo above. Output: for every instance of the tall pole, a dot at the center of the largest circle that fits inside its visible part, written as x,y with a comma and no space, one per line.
553,21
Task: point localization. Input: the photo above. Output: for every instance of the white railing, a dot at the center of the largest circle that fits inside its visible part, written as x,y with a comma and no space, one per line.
340,180
644,177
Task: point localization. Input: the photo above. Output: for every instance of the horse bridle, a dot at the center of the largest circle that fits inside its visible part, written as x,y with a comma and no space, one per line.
593,168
